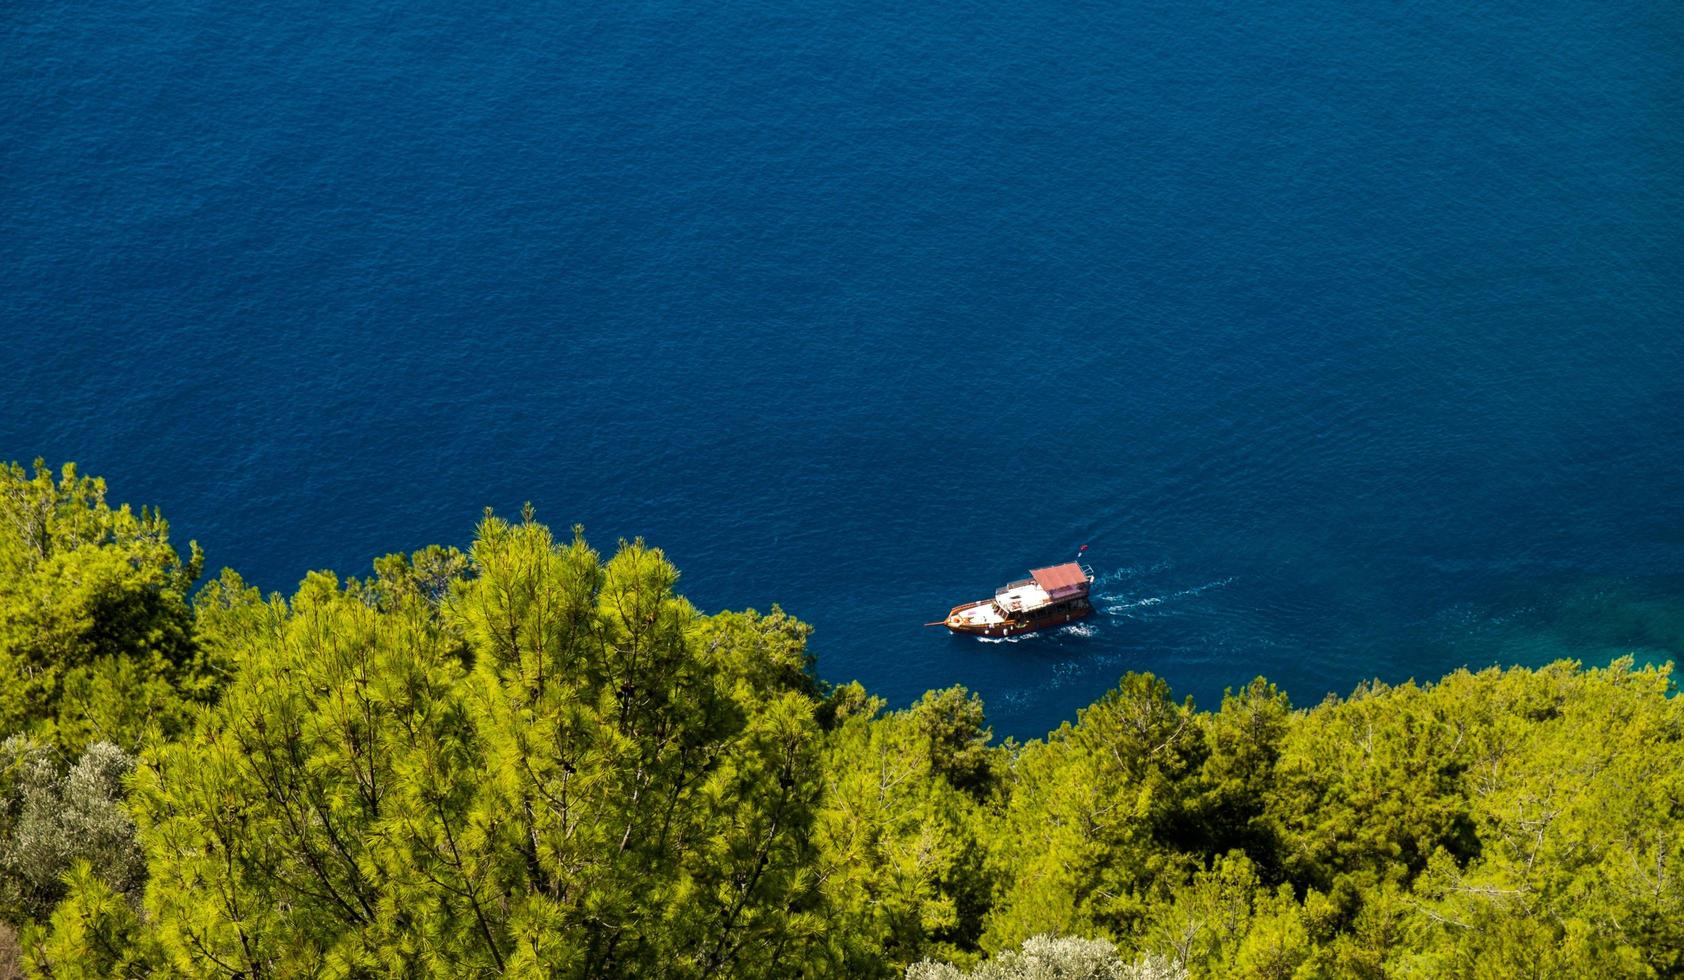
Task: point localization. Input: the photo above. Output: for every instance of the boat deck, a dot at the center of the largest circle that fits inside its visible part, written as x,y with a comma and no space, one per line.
1023,596
984,613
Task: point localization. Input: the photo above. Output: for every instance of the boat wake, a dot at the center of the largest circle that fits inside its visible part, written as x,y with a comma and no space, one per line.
1121,605
1129,571
1082,629
1115,603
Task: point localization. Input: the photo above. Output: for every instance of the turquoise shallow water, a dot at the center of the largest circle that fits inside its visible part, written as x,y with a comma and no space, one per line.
1347,335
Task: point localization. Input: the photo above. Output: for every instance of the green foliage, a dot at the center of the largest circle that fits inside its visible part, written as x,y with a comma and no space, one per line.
951,720
615,786
1208,919
1369,788
95,632
900,846
1084,844
1242,747
229,618
1576,794
94,933
524,760
272,836
1506,823
51,818
654,780
1055,958
426,576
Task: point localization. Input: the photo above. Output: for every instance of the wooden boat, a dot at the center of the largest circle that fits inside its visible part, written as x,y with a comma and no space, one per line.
1049,597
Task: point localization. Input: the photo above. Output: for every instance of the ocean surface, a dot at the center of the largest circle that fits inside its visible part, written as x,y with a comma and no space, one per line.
1350,336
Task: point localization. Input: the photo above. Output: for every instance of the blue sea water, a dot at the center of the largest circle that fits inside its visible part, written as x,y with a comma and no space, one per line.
1349,335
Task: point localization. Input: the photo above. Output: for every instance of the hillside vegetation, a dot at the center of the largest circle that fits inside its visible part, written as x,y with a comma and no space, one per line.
527,759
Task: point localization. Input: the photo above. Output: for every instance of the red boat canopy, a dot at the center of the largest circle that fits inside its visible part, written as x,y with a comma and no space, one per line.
1061,580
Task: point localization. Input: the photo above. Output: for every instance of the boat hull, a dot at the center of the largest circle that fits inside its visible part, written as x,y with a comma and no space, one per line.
1016,625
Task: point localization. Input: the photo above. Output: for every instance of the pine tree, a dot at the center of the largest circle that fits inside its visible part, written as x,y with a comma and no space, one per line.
95,635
